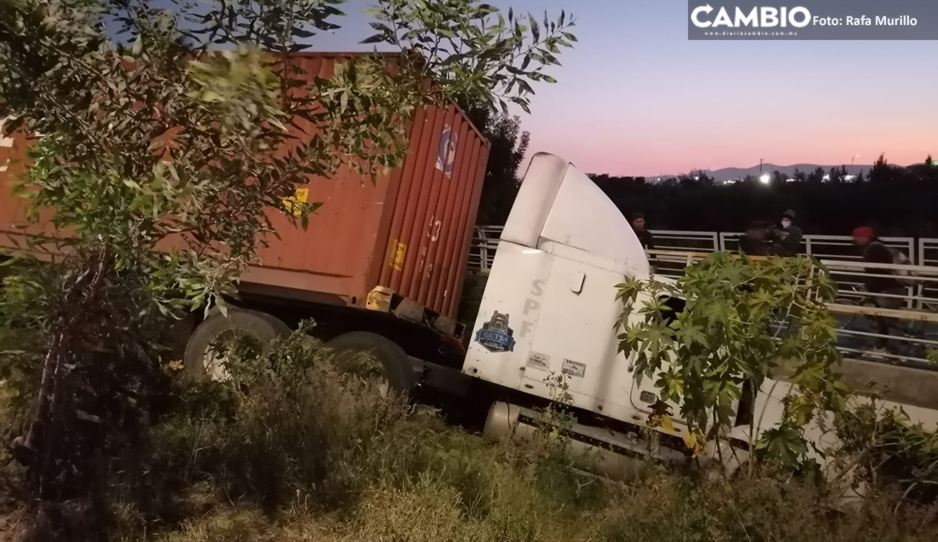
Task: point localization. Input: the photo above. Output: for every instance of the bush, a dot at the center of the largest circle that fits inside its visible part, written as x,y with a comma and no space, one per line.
343,463
290,449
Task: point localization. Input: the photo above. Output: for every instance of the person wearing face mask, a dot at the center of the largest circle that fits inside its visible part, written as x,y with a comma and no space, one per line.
787,241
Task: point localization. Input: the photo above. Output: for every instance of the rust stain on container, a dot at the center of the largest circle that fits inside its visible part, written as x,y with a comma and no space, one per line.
408,230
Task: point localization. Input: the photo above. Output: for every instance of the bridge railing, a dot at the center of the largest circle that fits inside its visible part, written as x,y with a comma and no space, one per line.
910,331
857,311
928,256
825,247
482,250
840,248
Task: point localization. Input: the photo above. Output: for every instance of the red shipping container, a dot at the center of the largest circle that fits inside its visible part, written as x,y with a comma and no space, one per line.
405,235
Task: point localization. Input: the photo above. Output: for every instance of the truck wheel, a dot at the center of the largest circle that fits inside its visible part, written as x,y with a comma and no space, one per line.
201,359
397,371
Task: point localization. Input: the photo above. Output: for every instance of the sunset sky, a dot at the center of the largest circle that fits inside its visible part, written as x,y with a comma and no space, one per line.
635,97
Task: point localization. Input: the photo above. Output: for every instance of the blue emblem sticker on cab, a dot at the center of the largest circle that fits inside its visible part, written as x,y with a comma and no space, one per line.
495,335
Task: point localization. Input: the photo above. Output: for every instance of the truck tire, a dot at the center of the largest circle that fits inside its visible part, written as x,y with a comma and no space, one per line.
261,326
398,370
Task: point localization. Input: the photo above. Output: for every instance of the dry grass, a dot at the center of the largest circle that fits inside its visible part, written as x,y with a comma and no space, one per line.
662,509
298,452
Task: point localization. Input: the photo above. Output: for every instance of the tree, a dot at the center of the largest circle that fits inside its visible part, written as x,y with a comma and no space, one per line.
508,147
931,170
169,128
473,51
778,179
882,171
739,320
800,176
817,176
837,208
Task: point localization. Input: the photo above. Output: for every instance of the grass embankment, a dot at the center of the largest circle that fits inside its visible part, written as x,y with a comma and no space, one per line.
296,452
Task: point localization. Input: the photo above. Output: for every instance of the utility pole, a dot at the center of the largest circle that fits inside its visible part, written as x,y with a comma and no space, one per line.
760,167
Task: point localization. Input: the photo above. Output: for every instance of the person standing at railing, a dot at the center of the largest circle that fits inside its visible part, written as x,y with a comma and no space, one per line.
886,291
644,236
787,241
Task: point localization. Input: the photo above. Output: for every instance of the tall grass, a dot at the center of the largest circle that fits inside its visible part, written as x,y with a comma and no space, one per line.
291,449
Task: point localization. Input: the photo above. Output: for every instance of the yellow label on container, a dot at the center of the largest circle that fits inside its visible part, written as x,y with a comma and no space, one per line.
302,194
397,256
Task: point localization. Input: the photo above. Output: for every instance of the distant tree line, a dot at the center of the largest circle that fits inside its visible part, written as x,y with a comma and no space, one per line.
895,201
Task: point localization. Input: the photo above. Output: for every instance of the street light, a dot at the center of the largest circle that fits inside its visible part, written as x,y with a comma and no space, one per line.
764,179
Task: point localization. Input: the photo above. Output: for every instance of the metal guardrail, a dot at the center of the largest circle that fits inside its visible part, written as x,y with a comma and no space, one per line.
485,244
921,277
928,256
839,247
698,241
866,328
859,313
482,250
923,251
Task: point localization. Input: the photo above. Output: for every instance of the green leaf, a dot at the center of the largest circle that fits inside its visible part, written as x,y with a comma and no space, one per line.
691,334
377,13
785,444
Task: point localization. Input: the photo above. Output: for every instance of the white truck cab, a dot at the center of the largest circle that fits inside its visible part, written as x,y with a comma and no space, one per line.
549,304
550,309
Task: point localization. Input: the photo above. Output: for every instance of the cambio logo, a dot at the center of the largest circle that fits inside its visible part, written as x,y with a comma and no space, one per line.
758,17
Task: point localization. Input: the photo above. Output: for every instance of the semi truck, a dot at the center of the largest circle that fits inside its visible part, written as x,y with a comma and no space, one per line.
548,318
380,269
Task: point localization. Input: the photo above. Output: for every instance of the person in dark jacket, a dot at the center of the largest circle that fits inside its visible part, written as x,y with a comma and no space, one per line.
644,236
755,241
872,250
787,241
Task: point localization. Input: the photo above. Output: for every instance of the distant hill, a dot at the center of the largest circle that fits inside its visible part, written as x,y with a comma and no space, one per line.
728,173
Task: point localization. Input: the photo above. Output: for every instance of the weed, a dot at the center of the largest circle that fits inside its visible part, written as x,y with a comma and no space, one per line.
294,450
